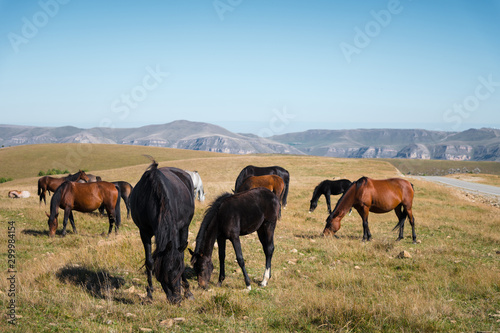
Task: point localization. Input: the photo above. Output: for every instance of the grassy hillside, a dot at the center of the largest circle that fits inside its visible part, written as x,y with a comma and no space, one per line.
27,161
91,283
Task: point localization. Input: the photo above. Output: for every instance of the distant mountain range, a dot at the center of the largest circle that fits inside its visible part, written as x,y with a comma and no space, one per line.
473,144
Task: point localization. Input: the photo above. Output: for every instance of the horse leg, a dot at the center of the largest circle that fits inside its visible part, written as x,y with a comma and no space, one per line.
146,241
266,237
364,211
221,242
72,220
67,212
401,214
127,205
411,218
328,202
185,284
111,219
241,261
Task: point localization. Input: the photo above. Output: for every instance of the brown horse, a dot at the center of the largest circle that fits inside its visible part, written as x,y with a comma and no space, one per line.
272,182
377,196
125,191
84,197
48,184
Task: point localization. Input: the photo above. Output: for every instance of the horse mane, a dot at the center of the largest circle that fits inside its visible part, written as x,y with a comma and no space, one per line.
165,234
210,214
56,198
316,196
361,181
73,177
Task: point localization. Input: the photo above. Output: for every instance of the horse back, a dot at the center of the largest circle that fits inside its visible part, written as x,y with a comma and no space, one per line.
245,212
180,184
87,197
387,194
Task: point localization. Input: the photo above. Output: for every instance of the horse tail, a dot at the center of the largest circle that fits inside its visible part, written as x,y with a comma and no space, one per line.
209,217
400,224
117,208
286,180
241,178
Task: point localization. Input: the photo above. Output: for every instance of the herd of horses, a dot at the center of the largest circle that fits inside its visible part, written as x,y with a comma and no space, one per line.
162,205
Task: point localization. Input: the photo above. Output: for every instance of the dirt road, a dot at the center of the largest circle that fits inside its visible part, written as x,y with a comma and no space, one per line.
467,186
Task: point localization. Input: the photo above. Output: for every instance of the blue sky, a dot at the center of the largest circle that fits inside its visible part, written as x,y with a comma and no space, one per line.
265,67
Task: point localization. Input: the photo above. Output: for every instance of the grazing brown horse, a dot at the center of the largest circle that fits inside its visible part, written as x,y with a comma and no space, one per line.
272,182
48,184
377,196
84,197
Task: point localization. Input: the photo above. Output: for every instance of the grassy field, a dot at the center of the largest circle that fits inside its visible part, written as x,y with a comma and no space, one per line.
91,283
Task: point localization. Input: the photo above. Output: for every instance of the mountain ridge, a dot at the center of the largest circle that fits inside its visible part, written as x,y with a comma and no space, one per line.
473,144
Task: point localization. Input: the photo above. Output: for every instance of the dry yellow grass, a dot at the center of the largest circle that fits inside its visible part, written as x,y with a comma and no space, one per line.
87,282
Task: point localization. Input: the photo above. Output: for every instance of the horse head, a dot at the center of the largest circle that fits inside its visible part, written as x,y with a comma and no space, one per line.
83,176
332,225
203,268
52,224
312,207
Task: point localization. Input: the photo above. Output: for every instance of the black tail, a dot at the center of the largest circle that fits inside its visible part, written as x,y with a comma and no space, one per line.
117,209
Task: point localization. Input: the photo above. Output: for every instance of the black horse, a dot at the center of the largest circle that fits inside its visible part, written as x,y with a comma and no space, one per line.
162,205
327,188
231,216
125,191
251,170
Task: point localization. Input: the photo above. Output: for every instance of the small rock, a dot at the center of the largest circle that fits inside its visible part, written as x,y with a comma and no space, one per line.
292,261
179,319
130,290
294,251
128,314
403,254
167,323
357,267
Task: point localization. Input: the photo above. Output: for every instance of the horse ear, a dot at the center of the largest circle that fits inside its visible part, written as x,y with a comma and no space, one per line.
48,215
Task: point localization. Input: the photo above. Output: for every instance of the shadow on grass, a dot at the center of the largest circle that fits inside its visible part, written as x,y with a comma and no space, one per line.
321,236
39,233
100,284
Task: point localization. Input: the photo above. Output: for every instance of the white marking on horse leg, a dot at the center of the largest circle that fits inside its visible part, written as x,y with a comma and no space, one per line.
267,275
249,288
